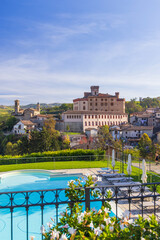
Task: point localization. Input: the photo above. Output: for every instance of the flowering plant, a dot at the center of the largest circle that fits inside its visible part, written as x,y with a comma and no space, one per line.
76,224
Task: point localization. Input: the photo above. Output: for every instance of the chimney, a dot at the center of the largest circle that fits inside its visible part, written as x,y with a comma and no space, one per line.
117,94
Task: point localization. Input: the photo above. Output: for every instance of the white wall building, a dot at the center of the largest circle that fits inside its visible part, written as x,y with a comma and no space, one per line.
82,120
23,127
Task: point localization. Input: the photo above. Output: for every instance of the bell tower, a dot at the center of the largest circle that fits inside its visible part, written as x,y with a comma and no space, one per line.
16,107
94,90
38,107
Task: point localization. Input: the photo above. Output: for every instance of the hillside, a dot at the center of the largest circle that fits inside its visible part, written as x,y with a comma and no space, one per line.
5,112
43,105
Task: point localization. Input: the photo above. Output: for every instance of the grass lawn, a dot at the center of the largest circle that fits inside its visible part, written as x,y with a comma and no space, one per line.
136,172
54,165
72,133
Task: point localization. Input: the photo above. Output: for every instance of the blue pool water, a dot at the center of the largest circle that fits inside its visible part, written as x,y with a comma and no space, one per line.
28,181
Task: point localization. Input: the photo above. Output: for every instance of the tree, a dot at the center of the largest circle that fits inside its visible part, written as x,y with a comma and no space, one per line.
8,149
104,137
23,145
67,128
9,123
35,142
49,124
145,145
66,141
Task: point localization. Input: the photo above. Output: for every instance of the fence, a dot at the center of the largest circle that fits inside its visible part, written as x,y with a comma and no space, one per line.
142,199
87,161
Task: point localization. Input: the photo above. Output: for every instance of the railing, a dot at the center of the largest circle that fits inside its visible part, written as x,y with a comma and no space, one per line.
142,199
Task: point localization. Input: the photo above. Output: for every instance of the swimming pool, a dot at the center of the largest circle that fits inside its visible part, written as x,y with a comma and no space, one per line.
30,181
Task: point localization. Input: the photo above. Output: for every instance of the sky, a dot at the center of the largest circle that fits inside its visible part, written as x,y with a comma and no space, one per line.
54,50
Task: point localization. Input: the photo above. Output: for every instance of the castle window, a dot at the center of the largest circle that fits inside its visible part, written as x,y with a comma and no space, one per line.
83,102
92,123
111,104
89,123
95,116
101,99
95,104
96,99
92,116
90,104
85,123
88,116
85,116
101,104
96,123
102,123
84,108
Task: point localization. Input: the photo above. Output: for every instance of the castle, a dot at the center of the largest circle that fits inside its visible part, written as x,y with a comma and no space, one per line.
95,109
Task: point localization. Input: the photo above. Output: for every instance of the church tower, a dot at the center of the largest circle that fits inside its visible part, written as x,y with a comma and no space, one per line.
16,107
38,107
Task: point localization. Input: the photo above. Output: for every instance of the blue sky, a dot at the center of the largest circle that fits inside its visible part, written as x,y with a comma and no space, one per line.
54,50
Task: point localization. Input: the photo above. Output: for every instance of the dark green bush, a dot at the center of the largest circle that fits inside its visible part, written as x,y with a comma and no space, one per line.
63,155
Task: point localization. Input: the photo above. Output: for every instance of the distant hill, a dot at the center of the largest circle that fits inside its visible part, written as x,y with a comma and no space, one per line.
43,105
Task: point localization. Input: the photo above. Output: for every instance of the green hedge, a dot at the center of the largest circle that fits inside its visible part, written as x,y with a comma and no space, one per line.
50,156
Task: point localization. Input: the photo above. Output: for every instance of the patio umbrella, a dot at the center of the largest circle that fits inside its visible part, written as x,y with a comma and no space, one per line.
113,159
144,174
129,169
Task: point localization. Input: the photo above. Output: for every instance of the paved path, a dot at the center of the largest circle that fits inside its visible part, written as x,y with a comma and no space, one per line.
150,167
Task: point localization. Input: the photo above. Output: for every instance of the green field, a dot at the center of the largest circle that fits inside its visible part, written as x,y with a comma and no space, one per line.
5,113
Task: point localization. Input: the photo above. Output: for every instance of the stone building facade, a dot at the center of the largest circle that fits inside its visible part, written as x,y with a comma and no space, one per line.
93,110
25,114
95,101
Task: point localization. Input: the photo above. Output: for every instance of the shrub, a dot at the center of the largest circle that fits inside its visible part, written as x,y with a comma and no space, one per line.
63,155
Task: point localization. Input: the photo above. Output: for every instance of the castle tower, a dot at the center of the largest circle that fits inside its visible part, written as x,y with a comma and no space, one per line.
38,107
94,90
16,107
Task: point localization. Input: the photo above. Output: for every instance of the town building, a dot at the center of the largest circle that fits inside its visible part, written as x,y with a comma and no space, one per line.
93,110
150,117
24,127
130,134
25,114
